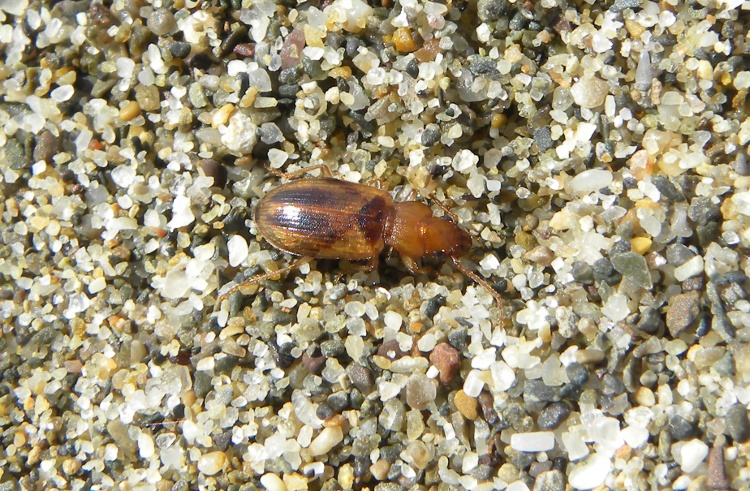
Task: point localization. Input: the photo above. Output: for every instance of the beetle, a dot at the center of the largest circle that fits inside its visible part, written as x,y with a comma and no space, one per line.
328,218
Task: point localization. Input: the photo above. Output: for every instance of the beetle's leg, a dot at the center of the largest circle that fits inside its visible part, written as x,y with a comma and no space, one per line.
445,209
376,183
483,283
372,263
324,171
263,276
410,264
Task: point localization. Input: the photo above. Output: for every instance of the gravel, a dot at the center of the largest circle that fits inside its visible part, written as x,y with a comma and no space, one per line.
596,153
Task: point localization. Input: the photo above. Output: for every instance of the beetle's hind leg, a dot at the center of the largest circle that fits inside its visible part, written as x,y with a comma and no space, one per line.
324,171
262,277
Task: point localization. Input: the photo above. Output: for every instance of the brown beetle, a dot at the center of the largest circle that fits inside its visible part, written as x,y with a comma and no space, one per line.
328,218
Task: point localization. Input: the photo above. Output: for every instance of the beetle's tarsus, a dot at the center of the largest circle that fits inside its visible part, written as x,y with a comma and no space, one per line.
324,171
484,284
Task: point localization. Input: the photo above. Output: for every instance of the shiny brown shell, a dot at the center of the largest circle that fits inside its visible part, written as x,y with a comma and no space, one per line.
325,218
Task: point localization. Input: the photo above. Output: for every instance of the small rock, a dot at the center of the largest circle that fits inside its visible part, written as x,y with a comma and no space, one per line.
553,480
590,473
537,441
211,463
420,392
459,338
161,22
538,391
577,373
272,482
737,423
179,49
543,138
46,147
467,406
683,310
717,477
590,181
678,254
326,440
702,210
590,92
447,360
682,429
338,401
314,362
632,265
650,321
391,350
362,378
692,454
487,403
553,415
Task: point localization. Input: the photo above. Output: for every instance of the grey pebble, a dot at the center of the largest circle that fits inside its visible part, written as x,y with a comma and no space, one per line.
678,254
202,384
458,338
702,210
538,391
492,10
633,265
431,135
604,272
650,321
611,385
577,373
682,429
179,49
582,272
338,401
667,188
738,425
553,415
332,348
543,138
553,480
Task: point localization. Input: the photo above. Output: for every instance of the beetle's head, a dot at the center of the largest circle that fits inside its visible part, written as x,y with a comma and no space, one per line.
447,237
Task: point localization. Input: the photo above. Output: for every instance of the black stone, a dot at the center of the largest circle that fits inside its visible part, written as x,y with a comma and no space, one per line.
543,138
611,385
553,416
338,401
737,422
702,210
430,135
577,373
582,272
682,429
605,272
538,391
458,338
650,321
179,49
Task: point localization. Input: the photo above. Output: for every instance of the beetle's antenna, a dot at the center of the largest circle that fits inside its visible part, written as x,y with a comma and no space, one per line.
483,283
264,276
445,209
